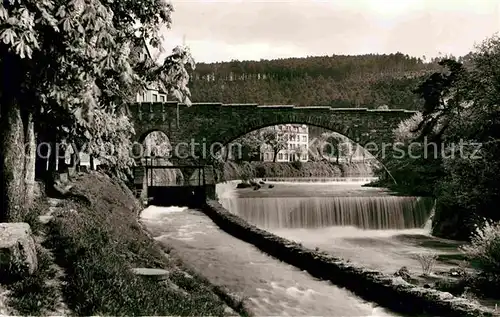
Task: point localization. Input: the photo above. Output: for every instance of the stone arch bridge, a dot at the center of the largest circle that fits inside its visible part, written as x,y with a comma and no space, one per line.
209,123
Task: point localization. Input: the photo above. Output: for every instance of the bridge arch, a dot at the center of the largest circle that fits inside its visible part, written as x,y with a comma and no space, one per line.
209,123
144,134
311,142
226,139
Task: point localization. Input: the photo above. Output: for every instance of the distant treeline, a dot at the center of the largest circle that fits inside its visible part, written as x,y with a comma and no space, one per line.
342,81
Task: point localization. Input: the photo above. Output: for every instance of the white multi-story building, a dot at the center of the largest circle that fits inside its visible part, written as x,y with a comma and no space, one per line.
151,95
296,137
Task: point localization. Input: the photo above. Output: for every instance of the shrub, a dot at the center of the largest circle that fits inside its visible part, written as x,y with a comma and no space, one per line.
39,207
297,164
260,171
427,261
246,177
484,249
33,295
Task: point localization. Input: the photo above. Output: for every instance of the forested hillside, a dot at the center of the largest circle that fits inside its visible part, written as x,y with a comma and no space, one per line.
341,81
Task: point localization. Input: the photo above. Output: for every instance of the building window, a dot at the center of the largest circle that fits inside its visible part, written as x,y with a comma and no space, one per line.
286,156
155,98
280,156
162,98
304,138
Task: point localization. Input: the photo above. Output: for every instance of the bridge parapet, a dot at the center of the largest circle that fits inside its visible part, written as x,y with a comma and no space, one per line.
162,106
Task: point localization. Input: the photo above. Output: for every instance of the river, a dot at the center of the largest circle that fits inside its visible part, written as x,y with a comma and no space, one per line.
365,225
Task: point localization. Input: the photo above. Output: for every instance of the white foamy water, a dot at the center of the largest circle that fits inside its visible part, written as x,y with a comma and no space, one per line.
320,205
365,225
154,212
272,288
321,180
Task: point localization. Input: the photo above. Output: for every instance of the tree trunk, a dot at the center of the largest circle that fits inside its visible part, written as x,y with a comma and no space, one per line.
41,157
29,169
275,155
91,163
52,169
12,151
61,158
75,157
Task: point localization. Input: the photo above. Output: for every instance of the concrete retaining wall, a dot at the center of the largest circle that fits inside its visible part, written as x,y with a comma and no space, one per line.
387,291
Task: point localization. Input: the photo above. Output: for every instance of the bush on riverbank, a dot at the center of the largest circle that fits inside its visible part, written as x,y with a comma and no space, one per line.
248,170
484,250
484,254
98,240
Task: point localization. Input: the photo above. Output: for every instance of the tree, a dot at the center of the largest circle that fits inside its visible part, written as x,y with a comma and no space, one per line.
442,94
471,191
275,140
333,145
406,131
245,148
461,118
157,144
69,69
339,81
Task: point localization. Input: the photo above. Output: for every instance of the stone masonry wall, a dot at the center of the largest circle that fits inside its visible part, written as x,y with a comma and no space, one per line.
214,122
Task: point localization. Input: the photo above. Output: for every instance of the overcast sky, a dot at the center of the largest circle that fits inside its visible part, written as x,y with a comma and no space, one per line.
221,30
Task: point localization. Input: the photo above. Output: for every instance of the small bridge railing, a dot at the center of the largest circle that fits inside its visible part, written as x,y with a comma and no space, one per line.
170,184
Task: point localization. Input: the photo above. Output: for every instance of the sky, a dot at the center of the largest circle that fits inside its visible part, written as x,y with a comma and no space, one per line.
223,30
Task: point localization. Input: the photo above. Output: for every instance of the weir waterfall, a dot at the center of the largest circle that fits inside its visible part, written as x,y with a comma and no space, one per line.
326,204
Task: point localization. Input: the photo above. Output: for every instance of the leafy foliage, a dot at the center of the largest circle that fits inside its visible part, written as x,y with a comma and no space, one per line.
275,140
245,148
80,62
460,124
406,130
157,144
484,249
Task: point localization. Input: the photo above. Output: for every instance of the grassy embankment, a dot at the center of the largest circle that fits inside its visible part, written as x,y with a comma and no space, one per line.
96,240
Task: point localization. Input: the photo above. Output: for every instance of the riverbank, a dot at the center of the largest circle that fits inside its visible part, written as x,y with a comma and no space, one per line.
398,189
391,292
110,265
249,170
